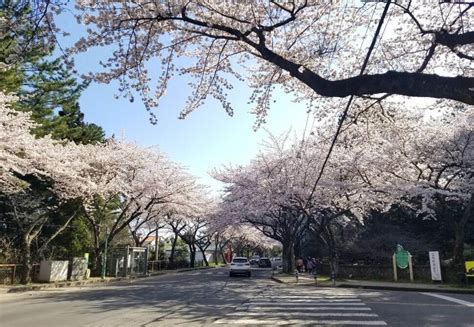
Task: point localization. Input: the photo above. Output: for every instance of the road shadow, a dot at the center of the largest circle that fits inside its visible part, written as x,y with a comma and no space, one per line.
194,297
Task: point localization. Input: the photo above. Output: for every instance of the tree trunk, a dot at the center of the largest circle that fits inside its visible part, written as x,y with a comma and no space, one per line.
459,230
192,256
334,262
203,252
328,238
288,257
97,269
224,260
26,261
173,250
216,250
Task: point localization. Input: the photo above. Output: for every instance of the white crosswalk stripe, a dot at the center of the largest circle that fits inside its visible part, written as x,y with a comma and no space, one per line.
317,308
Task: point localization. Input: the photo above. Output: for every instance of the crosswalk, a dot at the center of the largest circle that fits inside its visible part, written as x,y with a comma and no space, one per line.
315,307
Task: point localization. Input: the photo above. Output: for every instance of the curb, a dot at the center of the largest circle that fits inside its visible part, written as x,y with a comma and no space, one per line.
277,280
384,287
21,289
409,289
304,282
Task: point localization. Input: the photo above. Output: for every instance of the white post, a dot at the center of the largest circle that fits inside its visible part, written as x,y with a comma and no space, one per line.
394,261
410,267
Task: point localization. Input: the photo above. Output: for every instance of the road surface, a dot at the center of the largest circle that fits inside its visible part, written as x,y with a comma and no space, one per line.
212,298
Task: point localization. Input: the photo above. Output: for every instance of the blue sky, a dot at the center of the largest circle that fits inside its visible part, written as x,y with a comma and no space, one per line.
206,139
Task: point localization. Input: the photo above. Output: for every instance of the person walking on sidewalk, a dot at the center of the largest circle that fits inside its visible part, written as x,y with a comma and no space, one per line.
315,265
299,265
310,266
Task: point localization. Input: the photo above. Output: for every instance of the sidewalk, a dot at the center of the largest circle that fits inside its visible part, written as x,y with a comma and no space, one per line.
306,280
90,281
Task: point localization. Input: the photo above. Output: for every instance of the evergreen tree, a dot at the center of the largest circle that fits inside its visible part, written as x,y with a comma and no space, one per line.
50,92
45,87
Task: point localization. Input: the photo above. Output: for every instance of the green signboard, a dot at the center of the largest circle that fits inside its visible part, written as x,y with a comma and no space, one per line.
401,257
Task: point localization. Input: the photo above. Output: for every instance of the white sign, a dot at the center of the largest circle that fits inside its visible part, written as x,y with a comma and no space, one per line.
435,266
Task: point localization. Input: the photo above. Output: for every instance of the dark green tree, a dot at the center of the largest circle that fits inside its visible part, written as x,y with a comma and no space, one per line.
48,89
45,86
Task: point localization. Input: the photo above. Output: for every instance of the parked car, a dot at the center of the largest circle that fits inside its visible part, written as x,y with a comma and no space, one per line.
240,266
276,262
264,263
254,260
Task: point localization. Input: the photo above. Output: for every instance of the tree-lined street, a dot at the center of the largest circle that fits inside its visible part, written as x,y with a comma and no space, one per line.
365,174
207,297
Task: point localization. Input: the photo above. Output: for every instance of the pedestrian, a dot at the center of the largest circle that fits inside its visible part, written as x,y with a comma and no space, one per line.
315,265
310,266
299,265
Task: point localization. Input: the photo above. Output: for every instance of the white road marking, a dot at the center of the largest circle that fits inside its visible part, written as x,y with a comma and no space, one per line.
304,314
300,322
323,294
321,308
298,309
305,303
451,299
304,300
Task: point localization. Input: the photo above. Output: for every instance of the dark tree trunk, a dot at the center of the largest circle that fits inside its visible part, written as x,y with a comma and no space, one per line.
327,236
334,262
204,258
221,251
97,268
26,261
203,252
459,234
192,256
216,250
173,250
288,257
297,248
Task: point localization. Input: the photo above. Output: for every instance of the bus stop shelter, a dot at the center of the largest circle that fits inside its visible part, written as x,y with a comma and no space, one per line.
127,261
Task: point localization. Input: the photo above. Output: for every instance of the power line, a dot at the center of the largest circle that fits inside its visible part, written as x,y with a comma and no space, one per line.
346,110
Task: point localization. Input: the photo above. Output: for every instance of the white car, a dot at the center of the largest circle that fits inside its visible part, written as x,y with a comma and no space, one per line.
240,266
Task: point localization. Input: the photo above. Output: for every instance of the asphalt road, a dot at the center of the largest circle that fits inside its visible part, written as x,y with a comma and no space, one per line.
211,297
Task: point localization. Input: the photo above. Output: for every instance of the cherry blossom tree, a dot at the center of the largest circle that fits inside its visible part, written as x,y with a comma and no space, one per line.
312,49
144,226
190,222
270,195
176,223
37,176
282,194
401,157
136,186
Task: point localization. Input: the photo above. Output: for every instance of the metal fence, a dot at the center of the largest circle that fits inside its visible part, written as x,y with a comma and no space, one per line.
10,273
166,265
385,272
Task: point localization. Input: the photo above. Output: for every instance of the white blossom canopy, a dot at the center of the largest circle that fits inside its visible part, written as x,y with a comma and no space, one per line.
308,48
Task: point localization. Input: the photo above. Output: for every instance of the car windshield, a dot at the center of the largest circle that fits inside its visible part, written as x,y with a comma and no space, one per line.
239,261
265,260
